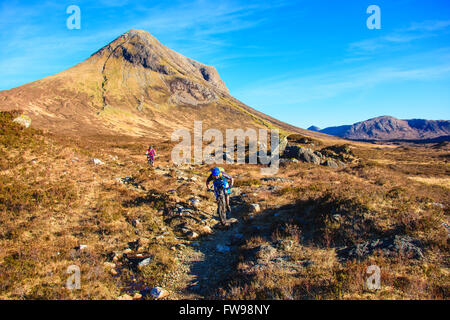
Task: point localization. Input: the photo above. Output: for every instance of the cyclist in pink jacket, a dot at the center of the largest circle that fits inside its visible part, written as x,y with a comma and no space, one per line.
151,154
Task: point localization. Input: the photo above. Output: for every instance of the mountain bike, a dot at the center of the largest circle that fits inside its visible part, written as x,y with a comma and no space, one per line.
219,188
150,161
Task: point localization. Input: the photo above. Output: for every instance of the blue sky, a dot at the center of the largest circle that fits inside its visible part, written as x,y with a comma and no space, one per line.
304,62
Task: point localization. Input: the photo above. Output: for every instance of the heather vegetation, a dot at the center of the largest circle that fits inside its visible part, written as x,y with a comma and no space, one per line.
310,232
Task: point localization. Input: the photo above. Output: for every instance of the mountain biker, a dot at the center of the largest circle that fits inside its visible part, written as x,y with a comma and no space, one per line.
218,174
151,154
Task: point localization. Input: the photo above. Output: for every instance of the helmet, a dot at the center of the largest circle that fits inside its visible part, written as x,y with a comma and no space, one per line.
150,147
215,172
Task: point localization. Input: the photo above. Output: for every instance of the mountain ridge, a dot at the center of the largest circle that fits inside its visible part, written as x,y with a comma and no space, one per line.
390,128
134,86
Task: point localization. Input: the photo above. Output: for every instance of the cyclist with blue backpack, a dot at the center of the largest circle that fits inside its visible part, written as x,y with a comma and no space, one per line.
219,177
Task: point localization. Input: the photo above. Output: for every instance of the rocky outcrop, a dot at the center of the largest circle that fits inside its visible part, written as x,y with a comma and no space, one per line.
390,247
188,92
23,120
302,154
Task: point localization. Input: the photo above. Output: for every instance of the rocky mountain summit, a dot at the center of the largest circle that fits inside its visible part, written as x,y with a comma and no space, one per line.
134,86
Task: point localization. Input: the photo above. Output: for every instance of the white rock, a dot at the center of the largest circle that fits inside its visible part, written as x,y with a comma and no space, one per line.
158,293
98,161
23,120
195,202
145,262
255,208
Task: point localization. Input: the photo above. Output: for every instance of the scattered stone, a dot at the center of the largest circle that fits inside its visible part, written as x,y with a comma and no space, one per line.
255,208
276,179
159,293
98,162
285,244
447,227
141,249
190,234
266,252
317,153
129,181
195,202
125,297
23,120
82,247
337,217
145,262
117,257
127,251
205,230
284,162
137,296
113,272
391,247
109,265
232,220
331,164
135,223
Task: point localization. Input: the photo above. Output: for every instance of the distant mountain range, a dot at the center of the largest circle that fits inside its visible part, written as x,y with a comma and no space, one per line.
390,128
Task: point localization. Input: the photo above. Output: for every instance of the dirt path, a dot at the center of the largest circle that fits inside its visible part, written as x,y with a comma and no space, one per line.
204,265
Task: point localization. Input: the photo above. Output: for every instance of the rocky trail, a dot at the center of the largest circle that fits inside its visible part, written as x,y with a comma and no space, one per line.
206,252
204,265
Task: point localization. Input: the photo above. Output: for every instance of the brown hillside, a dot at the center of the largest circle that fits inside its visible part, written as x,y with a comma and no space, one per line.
134,86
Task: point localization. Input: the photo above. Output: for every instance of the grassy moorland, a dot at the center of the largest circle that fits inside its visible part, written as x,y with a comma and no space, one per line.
311,238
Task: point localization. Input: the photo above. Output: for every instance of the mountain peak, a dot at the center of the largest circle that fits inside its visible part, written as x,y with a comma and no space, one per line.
134,86
314,128
389,128
142,50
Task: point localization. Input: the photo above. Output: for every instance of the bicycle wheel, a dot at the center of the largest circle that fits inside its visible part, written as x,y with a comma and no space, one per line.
221,207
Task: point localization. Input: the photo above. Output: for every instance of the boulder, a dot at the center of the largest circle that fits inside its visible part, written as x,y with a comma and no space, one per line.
23,120
266,252
191,235
109,265
195,202
145,262
391,247
331,164
159,293
255,208
98,162
205,230
137,296
302,154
